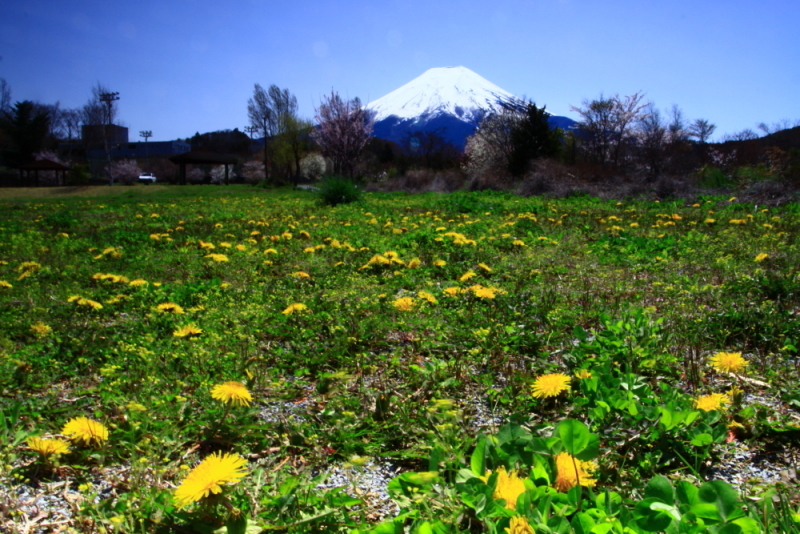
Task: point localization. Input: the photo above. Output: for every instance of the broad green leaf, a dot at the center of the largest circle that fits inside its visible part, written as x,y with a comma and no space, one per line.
425,528
574,435
701,440
686,493
649,519
724,497
478,459
582,523
706,510
748,525
660,488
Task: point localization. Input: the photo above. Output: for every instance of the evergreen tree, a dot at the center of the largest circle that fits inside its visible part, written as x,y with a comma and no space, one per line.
532,138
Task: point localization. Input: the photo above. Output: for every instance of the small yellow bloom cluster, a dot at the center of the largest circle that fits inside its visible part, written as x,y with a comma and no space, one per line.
295,307
81,301
40,329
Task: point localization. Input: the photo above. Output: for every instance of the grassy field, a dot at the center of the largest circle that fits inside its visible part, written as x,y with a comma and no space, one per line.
523,363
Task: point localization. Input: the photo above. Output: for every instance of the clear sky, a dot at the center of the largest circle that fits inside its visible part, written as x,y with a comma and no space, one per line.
186,66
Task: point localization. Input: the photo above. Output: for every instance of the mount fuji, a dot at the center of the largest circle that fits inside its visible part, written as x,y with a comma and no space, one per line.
452,100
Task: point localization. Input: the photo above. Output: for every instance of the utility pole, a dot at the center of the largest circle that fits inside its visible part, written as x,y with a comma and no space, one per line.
108,99
250,131
146,134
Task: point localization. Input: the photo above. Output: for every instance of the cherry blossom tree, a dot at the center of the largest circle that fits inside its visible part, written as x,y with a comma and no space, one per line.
343,131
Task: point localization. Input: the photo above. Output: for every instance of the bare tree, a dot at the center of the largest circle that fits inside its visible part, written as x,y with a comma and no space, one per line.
272,112
343,131
5,96
607,123
72,120
677,129
745,135
652,135
783,124
491,146
701,129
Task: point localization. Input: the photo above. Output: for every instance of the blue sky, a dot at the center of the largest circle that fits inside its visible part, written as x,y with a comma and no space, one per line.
187,66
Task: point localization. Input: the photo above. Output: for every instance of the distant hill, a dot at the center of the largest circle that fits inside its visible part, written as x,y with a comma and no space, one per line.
450,99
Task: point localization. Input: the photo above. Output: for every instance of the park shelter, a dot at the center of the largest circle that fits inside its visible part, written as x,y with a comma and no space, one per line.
42,165
201,157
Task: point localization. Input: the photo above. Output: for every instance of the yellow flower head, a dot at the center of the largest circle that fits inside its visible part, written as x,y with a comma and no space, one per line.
426,296
714,401
40,329
761,257
485,267
440,263
404,304
583,374
466,276
570,471
169,307
451,291
187,331
483,292
414,263
728,362
519,525
550,385
5,284
509,486
85,430
232,393
138,282
217,257
48,447
301,274
209,477
296,307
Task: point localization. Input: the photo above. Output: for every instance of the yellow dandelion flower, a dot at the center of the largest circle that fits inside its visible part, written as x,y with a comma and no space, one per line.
304,235
509,486
485,267
714,401
40,329
187,331
48,447
483,292
709,220
169,307
571,472
519,525
270,251
451,291
761,257
550,385
85,430
301,274
234,393
217,257
518,243
138,282
209,477
404,304
427,296
728,362
296,307
466,276
225,244
439,263
583,374
414,263
5,284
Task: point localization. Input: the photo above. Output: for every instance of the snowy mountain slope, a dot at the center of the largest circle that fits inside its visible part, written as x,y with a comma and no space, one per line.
456,91
452,100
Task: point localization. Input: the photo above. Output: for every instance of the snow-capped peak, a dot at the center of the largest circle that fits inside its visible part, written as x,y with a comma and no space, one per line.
452,90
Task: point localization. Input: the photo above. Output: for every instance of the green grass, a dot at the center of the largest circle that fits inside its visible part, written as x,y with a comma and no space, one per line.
636,294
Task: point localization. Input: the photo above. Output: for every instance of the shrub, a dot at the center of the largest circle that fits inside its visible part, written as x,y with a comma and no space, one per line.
335,190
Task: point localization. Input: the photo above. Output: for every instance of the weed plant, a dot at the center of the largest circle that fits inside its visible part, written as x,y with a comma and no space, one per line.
522,363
